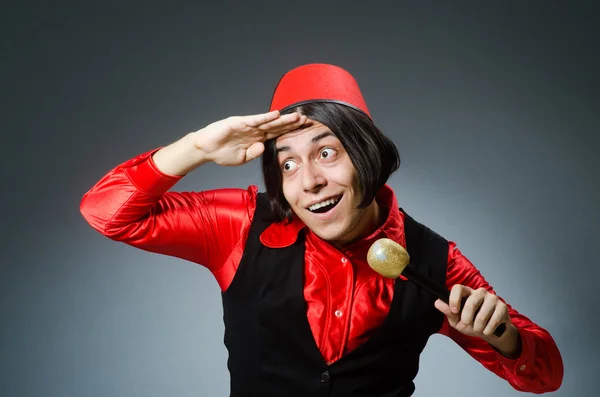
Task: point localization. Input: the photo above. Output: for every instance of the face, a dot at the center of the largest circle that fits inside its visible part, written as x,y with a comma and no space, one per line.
319,183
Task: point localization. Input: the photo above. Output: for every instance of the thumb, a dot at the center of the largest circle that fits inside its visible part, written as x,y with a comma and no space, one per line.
444,308
254,151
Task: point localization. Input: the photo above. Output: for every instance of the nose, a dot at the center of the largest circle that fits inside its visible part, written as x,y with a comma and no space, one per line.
312,177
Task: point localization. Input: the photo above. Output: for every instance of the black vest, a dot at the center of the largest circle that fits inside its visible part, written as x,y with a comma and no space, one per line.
271,347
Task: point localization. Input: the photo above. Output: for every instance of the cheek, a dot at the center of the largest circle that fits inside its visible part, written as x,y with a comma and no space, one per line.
289,192
345,176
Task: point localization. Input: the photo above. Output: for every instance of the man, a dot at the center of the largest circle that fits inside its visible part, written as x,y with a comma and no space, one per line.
304,313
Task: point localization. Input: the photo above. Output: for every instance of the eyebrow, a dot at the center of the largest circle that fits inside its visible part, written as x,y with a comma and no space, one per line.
313,140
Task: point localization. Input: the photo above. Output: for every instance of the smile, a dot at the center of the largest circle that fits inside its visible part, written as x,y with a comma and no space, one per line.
325,205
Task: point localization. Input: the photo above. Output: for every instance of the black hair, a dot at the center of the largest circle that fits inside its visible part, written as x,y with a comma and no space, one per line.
374,155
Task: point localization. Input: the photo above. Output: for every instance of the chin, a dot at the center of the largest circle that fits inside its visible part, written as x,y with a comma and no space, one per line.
331,235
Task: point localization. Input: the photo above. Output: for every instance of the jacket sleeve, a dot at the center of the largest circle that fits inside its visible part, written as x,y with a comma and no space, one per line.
131,204
539,367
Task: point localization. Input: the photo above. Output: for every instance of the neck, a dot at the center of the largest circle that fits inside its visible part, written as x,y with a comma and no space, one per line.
371,219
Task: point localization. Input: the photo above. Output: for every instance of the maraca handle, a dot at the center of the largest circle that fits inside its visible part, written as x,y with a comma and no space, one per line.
440,292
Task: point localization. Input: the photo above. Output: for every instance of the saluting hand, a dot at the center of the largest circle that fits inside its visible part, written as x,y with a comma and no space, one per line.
237,140
482,312
232,141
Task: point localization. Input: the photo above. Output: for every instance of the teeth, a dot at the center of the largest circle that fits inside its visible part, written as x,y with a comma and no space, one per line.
323,204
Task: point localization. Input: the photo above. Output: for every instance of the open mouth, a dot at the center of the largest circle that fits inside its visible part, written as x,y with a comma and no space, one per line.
325,205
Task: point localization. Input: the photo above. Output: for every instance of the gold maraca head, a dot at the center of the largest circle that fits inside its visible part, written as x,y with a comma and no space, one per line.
387,258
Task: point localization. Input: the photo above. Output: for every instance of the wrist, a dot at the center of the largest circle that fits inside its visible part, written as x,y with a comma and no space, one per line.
194,148
509,344
180,157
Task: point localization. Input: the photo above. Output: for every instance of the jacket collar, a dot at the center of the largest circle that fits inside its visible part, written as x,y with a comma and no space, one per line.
282,234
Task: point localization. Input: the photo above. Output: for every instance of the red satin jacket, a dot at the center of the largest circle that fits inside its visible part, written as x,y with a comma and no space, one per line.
346,299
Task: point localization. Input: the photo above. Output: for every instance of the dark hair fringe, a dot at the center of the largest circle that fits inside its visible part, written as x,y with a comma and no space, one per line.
374,155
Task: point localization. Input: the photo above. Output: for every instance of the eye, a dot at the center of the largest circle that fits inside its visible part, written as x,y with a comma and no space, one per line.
289,165
327,153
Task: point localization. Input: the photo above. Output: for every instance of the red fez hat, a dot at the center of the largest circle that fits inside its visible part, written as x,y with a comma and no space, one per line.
318,82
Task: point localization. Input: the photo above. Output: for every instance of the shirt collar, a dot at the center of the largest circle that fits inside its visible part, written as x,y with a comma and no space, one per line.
284,234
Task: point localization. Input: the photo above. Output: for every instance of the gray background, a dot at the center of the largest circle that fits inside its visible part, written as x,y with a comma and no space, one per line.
494,109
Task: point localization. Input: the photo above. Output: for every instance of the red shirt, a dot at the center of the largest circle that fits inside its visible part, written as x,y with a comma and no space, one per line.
346,299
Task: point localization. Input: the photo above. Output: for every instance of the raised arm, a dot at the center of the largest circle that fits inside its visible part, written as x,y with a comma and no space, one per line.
131,203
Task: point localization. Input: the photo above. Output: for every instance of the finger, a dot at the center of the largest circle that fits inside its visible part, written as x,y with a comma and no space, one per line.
280,122
470,307
445,309
285,129
485,313
254,151
500,315
259,119
456,293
